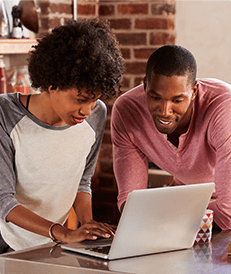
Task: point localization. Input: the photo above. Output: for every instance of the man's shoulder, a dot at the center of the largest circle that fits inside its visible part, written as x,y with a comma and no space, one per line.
214,96
134,95
213,84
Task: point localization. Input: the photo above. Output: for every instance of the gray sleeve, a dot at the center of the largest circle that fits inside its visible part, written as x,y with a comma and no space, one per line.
7,175
97,121
9,116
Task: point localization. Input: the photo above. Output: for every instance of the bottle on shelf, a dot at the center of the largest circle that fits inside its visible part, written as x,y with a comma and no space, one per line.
17,25
3,79
21,84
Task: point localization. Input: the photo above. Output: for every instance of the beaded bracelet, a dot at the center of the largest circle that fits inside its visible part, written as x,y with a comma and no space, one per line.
50,232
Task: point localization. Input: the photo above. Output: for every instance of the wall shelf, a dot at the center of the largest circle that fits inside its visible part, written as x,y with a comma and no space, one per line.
16,46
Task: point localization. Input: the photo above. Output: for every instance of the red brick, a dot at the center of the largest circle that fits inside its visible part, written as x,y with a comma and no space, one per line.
132,38
154,23
86,9
105,10
66,19
163,9
133,9
105,152
143,53
171,24
107,137
109,107
106,181
162,38
135,67
61,8
138,81
126,53
106,167
55,22
109,101
44,24
108,124
126,82
124,24
43,33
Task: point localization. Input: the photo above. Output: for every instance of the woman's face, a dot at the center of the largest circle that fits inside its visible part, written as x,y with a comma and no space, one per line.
73,106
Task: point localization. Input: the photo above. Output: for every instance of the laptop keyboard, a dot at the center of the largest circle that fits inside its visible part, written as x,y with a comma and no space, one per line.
100,249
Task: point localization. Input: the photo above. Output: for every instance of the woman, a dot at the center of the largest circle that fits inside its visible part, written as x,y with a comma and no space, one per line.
50,140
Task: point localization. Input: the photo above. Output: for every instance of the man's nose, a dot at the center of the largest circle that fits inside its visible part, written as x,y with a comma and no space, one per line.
166,109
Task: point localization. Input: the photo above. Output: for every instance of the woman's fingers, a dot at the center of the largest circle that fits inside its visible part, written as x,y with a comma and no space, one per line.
91,231
99,229
111,227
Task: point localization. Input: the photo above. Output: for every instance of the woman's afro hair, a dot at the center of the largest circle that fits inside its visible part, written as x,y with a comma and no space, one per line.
79,54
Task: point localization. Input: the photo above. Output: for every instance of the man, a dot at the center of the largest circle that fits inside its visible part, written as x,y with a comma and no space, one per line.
50,140
180,123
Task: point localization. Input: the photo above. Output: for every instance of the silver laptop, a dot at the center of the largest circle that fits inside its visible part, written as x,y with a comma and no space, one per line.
153,221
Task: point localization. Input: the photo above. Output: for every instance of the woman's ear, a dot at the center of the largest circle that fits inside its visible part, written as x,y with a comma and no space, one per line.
50,90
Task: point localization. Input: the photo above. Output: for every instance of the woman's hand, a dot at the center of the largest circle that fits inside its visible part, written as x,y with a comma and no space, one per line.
89,231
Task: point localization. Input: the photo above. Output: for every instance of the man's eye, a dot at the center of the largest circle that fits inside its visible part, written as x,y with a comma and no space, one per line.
156,98
177,101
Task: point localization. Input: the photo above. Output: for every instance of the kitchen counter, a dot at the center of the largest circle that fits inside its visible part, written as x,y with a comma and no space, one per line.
201,258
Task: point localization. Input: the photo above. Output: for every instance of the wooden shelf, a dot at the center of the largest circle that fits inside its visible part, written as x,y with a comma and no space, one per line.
16,46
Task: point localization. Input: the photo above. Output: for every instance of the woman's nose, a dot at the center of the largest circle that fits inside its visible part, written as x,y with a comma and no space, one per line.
86,109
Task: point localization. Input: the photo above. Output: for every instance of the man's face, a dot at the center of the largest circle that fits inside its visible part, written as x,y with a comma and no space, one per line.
170,102
71,106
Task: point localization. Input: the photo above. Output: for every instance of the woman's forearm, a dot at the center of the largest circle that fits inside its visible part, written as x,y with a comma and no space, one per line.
28,220
83,207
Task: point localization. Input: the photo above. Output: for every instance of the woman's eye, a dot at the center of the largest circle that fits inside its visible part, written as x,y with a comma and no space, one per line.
80,101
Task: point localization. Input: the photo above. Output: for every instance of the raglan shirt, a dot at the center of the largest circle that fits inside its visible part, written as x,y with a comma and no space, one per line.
203,154
42,167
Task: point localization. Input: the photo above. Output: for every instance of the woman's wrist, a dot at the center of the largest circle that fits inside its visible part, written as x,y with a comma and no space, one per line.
57,232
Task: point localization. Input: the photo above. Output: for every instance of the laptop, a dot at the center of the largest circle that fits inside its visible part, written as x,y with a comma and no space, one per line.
153,221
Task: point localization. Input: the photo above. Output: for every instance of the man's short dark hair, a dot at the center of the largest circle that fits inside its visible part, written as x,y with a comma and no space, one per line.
80,54
172,60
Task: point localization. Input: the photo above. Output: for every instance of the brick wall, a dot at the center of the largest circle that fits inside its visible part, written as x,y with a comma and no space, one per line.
53,13
140,27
